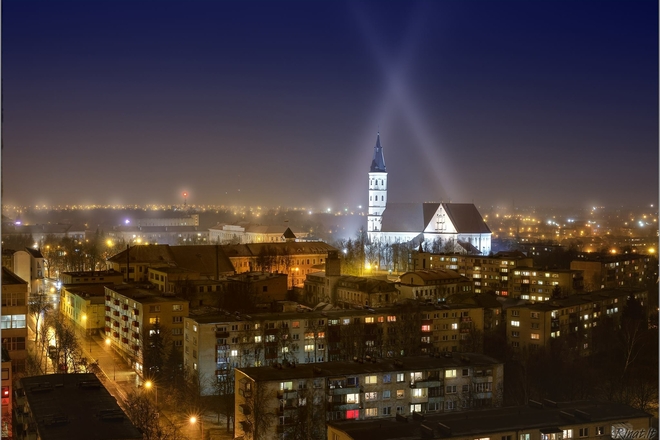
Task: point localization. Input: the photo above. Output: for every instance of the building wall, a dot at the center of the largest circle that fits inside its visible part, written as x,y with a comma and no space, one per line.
360,396
14,301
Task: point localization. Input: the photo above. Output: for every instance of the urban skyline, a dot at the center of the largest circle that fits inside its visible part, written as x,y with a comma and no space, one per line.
534,104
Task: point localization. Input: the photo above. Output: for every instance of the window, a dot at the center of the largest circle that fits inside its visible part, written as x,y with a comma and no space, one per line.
506,437
177,319
353,398
535,336
524,437
568,433
416,407
600,430
154,321
426,328
154,309
584,432
295,324
387,410
400,377
371,412
286,386
320,335
369,319
391,318
352,414
370,380
371,396
419,392
387,378
177,308
399,394
454,326
13,321
466,372
451,389
353,381
386,394
449,405
535,315
257,339
234,353
450,373
309,335
309,347
515,323
177,331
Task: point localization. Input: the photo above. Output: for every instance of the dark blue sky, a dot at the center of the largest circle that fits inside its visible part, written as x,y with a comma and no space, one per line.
550,103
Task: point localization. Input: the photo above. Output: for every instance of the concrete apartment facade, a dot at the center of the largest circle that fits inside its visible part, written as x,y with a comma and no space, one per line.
305,397
14,300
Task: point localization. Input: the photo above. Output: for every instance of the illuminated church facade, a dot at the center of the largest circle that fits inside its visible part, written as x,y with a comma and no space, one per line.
457,227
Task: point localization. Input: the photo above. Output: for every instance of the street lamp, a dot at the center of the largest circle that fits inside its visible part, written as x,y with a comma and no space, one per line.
148,384
194,419
114,368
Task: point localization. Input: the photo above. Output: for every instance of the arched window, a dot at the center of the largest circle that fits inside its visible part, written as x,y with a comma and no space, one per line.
382,198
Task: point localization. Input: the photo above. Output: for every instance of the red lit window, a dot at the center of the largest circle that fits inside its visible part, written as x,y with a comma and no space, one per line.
352,413
5,391
426,328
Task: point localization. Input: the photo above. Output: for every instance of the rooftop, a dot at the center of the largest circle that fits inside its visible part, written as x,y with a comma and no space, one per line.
547,417
9,277
76,406
354,368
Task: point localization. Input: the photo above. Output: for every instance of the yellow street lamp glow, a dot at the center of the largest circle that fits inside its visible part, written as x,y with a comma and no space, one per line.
148,384
84,317
193,419
107,341
109,242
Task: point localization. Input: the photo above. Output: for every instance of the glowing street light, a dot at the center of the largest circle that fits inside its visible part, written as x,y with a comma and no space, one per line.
194,420
148,384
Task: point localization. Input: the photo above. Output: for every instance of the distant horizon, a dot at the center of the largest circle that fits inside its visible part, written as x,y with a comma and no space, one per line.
279,104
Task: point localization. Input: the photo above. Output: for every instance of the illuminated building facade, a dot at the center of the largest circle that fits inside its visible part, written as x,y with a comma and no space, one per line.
448,224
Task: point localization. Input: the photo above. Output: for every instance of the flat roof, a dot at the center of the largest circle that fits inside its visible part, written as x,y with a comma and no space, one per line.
76,406
544,416
354,368
144,296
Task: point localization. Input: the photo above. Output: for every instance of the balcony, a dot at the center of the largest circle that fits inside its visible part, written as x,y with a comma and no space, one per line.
124,306
136,312
115,324
124,329
108,308
343,406
124,340
115,313
224,334
107,318
124,318
136,324
245,393
345,390
287,394
116,302
115,334
431,382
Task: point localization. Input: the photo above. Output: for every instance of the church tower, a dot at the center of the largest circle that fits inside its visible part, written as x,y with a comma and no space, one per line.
377,191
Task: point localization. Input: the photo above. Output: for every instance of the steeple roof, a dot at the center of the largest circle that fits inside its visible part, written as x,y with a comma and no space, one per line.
378,162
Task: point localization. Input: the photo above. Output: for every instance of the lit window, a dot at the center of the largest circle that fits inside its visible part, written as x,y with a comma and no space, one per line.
370,380
371,396
371,412
450,373
352,398
391,318
535,336
515,323
352,414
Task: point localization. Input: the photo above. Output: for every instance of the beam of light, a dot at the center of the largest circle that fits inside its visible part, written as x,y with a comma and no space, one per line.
398,95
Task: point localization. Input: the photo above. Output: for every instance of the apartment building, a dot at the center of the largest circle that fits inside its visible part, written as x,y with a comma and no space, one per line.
432,285
215,342
537,324
14,300
547,420
7,393
91,277
362,291
540,285
210,262
131,314
69,406
278,401
488,273
84,306
607,271
296,259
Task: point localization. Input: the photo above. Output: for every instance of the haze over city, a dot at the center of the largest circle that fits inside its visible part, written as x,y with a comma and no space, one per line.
532,103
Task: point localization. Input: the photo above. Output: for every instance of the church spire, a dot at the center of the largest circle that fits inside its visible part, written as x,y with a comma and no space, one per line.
378,162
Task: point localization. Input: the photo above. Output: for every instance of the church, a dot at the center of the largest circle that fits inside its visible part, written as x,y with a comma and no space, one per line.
456,227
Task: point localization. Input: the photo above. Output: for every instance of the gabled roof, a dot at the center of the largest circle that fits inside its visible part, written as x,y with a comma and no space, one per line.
466,218
35,253
289,234
403,217
205,259
378,162
152,254
9,277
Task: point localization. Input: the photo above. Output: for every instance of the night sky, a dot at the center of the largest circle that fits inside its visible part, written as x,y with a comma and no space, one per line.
547,103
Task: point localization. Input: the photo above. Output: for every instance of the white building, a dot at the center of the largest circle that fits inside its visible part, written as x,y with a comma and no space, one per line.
451,223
